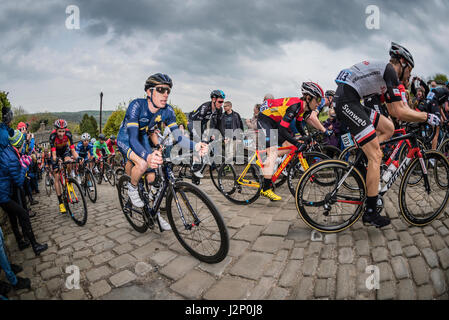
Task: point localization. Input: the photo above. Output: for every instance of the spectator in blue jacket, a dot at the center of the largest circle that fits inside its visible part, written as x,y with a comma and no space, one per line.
12,174
10,270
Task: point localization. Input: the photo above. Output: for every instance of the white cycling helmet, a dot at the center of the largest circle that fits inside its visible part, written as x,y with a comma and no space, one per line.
85,136
93,140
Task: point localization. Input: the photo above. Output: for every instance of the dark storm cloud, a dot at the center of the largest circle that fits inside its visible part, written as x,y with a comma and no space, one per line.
210,33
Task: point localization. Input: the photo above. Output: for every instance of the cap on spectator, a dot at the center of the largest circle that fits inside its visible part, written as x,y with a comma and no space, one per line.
17,139
21,125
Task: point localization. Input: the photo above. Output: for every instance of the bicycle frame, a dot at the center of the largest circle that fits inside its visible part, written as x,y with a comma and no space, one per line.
66,186
168,181
282,166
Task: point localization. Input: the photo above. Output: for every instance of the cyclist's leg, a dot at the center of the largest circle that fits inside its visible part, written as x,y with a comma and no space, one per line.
354,115
266,127
384,129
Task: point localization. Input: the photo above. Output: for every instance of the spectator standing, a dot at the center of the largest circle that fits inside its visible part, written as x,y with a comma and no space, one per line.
230,120
252,123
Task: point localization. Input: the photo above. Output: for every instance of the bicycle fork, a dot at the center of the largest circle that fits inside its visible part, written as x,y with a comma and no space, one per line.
196,221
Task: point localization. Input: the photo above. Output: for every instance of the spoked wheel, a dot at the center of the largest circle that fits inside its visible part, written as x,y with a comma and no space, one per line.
134,215
330,207
239,184
76,203
110,175
90,186
296,170
98,173
423,201
331,151
119,172
204,234
48,184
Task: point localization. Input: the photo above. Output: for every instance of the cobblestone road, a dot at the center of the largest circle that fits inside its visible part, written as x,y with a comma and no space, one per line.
273,255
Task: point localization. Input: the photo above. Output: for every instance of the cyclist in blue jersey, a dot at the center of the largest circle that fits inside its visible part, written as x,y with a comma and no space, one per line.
134,133
84,147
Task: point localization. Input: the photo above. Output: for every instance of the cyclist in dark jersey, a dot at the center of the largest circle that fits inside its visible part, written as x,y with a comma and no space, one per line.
274,121
368,126
210,110
61,144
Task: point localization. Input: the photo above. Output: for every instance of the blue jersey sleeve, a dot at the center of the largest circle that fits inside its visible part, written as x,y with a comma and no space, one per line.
79,146
132,127
170,120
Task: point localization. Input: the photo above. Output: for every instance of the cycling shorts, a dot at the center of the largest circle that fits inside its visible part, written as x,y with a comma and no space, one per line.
268,132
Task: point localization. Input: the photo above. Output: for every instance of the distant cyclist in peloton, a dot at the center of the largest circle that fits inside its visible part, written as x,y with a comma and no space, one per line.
276,116
61,143
368,126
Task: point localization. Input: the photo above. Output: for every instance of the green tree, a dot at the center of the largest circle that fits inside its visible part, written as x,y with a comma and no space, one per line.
89,125
440,78
4,101
114,121
180,116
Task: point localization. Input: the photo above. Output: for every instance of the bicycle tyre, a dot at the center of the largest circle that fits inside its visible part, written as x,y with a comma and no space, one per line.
127,209
80,196
92,195
47,182
404,193
354,202
236,192
296,171
181,188
331,151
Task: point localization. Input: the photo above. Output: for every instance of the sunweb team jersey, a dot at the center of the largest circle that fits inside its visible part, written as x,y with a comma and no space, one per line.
372,78
133,132
440,95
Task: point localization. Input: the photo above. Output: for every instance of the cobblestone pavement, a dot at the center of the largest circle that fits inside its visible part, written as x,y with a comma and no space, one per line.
273,255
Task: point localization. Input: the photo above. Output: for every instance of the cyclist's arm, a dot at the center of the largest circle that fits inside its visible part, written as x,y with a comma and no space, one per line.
183,141
95,150
315,122
105,146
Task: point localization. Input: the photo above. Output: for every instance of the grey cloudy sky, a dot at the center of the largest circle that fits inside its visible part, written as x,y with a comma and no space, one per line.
246,48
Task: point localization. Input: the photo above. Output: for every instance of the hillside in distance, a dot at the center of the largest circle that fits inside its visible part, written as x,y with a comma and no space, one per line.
78,115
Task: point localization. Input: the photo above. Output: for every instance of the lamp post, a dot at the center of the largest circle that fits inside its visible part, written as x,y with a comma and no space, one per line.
101,107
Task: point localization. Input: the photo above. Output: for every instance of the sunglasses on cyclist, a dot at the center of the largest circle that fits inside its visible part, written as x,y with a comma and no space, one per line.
220,102
163,90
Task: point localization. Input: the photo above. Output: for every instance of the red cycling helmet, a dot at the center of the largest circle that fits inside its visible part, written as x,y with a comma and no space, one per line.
60,124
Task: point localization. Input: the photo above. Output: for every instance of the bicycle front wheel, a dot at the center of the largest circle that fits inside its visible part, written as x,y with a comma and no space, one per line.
48,184
90,185
76,203
203,232
423,201
239,183
330,207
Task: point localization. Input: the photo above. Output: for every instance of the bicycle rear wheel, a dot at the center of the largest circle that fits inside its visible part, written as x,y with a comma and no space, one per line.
76,203
330,207
296,170
241,191
423,201
204,235
134,215
110,175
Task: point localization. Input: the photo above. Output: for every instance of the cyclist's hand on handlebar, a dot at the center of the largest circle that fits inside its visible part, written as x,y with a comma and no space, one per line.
202,148
433,119
155,159
328,133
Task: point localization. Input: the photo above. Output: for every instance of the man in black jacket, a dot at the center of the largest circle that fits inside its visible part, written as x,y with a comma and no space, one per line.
229,120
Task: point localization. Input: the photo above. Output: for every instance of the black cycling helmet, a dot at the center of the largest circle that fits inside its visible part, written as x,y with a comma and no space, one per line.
329,93
217,94
398,51
101,137
156,79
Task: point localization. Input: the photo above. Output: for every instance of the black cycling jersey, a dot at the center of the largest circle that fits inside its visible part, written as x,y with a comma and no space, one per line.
440,95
